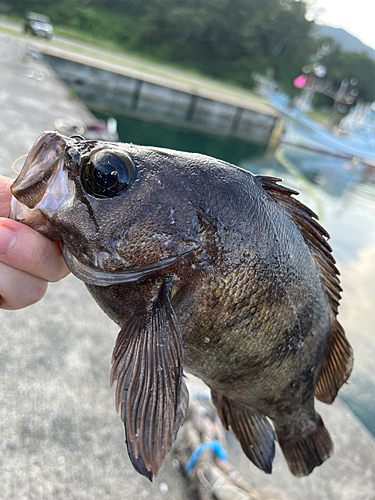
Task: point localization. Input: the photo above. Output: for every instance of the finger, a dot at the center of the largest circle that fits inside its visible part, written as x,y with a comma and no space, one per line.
5,195
19,289
24,249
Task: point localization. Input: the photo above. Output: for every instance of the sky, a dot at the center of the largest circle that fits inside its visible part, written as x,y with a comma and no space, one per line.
355,16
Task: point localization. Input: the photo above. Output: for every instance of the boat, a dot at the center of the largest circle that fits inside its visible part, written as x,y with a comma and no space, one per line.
93,130
353,139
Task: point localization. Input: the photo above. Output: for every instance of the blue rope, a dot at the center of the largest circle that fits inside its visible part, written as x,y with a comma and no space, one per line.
215,446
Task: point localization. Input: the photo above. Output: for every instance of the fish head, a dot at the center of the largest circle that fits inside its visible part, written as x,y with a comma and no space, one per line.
120,210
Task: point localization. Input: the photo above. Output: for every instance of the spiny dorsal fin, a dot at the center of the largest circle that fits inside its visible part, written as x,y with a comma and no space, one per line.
338,364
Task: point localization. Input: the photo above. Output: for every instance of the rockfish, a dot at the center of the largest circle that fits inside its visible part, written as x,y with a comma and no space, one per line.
205,268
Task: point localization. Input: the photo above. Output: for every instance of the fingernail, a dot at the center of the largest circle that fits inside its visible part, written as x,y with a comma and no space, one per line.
7,239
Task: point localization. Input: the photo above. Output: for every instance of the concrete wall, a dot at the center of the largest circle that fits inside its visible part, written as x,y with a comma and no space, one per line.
120,94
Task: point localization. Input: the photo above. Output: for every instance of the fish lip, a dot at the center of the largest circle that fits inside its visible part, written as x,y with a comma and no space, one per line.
94,276
44,157
34,218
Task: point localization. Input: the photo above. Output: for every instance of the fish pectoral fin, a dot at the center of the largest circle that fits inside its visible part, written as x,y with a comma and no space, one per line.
151,393
305,451
338,364
250,427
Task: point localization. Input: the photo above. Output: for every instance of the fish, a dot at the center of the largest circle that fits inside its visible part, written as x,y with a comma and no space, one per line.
207,269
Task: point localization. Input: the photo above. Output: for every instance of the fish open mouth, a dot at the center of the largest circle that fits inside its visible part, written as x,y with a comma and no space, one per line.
99,277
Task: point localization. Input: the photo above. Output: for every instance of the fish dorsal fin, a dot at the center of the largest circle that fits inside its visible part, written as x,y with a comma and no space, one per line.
151,392
250,427
338,364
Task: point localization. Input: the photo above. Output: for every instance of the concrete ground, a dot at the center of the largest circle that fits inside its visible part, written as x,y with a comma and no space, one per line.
60,437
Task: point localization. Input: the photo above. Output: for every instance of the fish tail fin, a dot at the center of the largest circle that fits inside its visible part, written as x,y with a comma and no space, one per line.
307,450
250,427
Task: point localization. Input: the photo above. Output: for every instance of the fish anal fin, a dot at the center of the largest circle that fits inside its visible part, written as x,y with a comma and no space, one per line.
337,366
151,394
250,427
304,452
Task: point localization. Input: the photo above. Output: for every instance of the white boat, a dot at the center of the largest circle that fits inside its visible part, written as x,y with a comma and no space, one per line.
354,138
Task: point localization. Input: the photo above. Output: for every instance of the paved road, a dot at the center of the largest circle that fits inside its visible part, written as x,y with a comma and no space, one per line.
60,437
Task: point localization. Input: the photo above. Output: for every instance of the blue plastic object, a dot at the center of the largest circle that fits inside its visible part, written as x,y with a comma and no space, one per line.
215,446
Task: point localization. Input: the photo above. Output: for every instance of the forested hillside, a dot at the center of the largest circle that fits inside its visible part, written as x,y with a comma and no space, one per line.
228,39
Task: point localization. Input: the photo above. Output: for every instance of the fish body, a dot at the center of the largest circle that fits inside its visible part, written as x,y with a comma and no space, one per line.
205,268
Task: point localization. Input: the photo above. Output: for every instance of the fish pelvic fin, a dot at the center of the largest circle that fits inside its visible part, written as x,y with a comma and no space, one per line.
305,451
338,364
150,393
250,427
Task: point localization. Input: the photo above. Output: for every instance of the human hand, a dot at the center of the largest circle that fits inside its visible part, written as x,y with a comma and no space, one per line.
28,260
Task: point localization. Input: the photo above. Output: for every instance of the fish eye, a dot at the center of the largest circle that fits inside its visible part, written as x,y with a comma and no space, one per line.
105,174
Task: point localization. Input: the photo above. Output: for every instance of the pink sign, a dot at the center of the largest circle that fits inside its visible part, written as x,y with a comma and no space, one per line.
300,81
